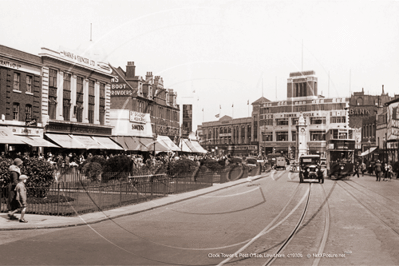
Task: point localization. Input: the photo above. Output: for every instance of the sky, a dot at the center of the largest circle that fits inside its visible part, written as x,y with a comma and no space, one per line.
220,54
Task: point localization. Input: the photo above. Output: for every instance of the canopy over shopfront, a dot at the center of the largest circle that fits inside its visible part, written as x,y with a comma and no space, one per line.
193,146
371,150
167,142
128,143
183,146
107,143
7,137
37,142
150,145
83,142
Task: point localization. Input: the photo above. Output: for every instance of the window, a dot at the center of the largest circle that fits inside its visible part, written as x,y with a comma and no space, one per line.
282,122
359,101
294,121
67,81
267,136
28,112
317,120
79,85
28,83
66,109
52,107
79,112
317,136
293,135
52,78
338,119
102,103
17,81
269,122
91,101
15,111
282,136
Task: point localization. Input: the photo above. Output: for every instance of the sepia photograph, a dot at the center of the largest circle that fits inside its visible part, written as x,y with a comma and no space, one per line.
199,132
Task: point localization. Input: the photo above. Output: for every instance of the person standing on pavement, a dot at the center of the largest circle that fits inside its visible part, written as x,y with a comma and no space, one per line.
15,172
363,168
377,170
21,198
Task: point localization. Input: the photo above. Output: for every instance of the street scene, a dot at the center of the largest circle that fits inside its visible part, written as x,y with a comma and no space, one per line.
226,132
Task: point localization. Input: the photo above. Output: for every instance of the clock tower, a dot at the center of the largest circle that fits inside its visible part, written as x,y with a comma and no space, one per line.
302,144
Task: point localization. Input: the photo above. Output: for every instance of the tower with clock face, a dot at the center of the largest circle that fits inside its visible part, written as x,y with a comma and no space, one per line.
302,145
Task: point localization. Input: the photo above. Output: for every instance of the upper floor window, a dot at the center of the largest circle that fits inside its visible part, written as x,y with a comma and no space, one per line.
338,119
67,81
282,122
15,111
28,112
102,90
267,136
282,136
79,85
91,87
52,82
317,120
17,81
28,83
359,101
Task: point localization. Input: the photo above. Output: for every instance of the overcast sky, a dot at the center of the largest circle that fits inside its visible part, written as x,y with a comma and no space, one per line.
219,53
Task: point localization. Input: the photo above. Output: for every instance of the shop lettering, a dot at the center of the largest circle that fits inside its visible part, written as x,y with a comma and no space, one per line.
9,64
78,58
122,93
118,86
137,127
359,112
137,117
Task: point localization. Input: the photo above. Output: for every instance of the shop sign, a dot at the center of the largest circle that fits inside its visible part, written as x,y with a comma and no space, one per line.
137,117
242,147
18,66
139,127
120,88
26,131
359,112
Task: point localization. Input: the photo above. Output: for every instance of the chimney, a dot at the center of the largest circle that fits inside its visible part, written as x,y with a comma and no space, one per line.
130,70
382,89
148,76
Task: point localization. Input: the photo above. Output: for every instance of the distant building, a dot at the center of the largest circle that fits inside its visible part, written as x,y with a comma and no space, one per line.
228,136
278,119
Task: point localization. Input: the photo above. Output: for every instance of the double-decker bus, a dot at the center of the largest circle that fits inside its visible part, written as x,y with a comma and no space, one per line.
340,151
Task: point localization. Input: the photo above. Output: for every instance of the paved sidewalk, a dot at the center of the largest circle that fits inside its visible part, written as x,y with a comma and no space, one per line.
47,221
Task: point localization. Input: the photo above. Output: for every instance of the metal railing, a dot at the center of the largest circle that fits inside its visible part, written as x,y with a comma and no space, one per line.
75,194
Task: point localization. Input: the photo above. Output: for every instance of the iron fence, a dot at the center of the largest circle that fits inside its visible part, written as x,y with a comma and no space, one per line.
75,194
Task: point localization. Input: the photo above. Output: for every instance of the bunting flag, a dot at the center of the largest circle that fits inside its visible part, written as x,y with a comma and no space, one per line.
217,116
232,105
248,102
220,107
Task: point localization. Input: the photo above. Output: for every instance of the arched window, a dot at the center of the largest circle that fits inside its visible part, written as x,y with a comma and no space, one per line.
359,101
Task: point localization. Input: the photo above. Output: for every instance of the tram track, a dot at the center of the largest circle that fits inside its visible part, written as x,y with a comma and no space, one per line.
372,205
261,245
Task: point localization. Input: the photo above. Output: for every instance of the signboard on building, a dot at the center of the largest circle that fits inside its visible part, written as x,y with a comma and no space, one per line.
358,138
130,123
119,87
393,121
19,66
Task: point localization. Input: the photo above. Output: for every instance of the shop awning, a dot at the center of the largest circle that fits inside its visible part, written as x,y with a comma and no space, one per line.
38,142
87,142
128,143
368,151
7,137
65,141
167,142
148,145
198,147
184,146
108,143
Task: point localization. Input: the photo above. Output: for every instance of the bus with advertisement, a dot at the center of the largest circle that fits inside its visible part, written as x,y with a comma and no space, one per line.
340,150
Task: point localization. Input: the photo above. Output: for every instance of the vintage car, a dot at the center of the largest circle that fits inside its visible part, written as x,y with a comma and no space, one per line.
310,168
281,163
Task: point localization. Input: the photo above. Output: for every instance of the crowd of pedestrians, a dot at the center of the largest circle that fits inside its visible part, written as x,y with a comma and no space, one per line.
381,170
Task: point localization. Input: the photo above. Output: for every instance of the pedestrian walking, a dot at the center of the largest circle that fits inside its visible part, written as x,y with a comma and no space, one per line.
356,170
378,170
15,172
21,198
363,168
